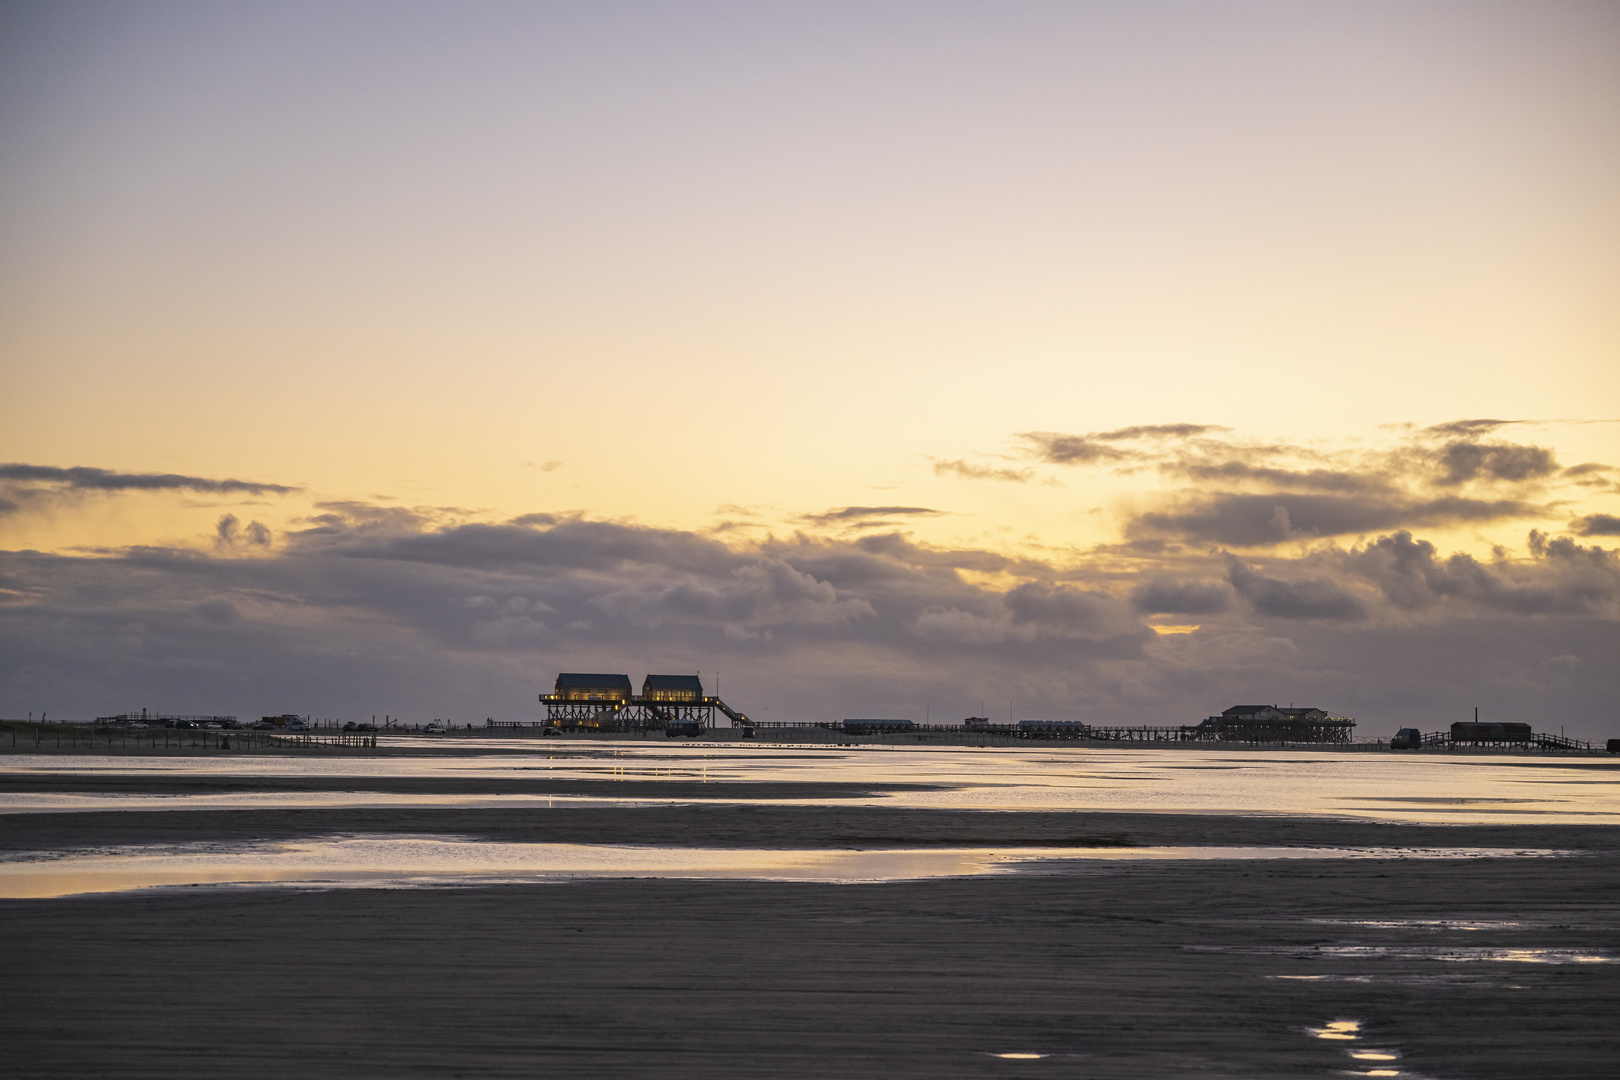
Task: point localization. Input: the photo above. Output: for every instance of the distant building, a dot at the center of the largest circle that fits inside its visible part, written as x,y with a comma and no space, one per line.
1269,723
1270,714
671,688
877,727
576,686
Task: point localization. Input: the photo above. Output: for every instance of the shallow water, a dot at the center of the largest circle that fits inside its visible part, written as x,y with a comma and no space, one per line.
418,861
1418,788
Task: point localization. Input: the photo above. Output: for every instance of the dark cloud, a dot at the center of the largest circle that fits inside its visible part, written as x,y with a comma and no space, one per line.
868,513
88,479
1564,578
1466,428
1598,525
1248,520
1304,598
229,532
1164,596
469,620
1326,480
1159,431
1056,449
1461,462
964,470
534,519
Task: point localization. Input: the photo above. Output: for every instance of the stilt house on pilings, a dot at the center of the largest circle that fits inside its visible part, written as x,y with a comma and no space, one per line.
579,700
671,703
1270,724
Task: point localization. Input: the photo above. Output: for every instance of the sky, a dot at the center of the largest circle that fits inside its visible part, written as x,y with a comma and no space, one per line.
1102,361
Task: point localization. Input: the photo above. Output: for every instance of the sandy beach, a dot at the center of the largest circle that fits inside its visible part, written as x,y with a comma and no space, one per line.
1449,968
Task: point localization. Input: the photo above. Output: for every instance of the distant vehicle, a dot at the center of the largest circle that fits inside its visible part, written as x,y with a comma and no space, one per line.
231,724
691,728
262,725
179,723
138,724
434,728
297,723
558,731
1408,738
1614,746
351,726
365,727
211,724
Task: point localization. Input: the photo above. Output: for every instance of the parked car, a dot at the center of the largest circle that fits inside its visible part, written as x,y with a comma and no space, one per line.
365,727
211,723
135,724
351,726
262,725
233,725
434,728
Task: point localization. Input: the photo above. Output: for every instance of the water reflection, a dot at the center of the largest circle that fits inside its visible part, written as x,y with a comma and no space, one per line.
405,861
1478,788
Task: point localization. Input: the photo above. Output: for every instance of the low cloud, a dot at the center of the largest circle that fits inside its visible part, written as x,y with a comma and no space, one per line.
867,515
1248,520
1301,598
1598,525
230,533
405,615
1563,577
964,470
1165,596
1057,449
88,479
1462,462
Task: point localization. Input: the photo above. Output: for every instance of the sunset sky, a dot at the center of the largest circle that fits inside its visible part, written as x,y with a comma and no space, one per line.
1108,361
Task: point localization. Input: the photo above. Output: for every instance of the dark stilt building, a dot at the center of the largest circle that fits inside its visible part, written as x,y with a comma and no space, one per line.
1268,723
674,704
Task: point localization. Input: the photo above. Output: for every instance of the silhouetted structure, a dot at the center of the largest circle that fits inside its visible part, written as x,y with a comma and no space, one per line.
671,688
675,704
1269,723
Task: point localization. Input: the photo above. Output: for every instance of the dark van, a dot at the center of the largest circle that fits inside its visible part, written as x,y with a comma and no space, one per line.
1408,738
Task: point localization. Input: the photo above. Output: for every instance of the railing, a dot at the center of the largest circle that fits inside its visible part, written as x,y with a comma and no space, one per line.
25,735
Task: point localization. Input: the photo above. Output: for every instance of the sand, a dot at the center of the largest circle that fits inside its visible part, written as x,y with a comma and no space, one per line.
1115,970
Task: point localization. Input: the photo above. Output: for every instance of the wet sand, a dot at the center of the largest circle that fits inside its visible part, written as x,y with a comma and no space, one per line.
1133,971
1111,970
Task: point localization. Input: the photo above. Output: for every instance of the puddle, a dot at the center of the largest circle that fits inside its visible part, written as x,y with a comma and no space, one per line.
1429,924
1469,955
426,861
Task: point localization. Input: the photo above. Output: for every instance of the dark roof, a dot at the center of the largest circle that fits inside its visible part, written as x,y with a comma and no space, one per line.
574,680
674,682
1238,711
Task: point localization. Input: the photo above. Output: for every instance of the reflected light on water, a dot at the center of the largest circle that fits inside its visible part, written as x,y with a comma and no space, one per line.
1338,1029
407,861
1474,788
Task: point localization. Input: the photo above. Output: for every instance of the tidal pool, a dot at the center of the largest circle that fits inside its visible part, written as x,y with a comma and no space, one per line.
443,861
1421,788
